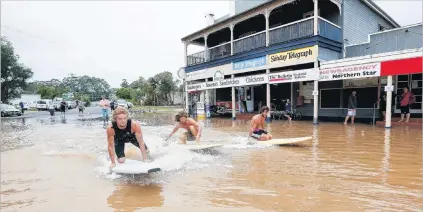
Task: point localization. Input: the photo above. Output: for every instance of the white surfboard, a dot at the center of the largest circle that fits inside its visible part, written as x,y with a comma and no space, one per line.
284,141
135,167
200,146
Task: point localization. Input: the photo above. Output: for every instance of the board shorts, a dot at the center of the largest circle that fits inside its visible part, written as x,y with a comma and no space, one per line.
190,136
120,147
257,133
405,109
351,112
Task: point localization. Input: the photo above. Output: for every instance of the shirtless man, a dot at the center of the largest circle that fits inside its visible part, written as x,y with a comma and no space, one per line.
257,125
121,131
192,127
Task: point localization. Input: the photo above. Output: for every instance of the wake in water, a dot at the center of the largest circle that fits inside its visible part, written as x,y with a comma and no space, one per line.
89,140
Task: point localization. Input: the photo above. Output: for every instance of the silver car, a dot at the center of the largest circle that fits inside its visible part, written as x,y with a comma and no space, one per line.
9,110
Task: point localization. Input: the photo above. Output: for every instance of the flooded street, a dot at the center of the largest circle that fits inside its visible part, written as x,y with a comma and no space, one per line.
62,166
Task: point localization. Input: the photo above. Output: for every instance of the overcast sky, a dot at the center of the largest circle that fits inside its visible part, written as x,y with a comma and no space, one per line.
117,40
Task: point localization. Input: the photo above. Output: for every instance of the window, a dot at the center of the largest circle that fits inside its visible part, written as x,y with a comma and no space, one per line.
310,14
330,98
382,28
366,97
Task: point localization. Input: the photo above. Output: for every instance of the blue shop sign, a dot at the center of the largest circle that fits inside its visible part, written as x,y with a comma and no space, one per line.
251,63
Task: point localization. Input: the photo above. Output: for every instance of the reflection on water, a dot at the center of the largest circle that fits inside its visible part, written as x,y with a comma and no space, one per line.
343,168
132,196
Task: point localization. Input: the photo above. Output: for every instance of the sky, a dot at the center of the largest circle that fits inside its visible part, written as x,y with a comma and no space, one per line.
117,40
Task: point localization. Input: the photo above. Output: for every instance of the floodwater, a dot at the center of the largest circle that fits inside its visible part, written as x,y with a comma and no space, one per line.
62,166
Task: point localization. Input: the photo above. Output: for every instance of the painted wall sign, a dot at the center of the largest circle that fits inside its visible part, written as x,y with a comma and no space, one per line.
209,72
297,56
196,75
294,76
218,75
251,63
350,72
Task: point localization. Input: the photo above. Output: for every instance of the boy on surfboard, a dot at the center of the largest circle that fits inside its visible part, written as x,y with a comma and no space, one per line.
257,125
121,131
189,124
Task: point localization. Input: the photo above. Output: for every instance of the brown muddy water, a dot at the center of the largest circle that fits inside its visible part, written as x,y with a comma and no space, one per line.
62,166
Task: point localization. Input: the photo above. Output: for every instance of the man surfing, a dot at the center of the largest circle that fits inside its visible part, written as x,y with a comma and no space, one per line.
257,125
189,124
121,131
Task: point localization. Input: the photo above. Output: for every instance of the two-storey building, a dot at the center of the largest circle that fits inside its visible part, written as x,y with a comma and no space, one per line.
264,53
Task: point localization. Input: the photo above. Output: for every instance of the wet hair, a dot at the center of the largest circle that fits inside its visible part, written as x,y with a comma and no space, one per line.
180,115
118,111
264,108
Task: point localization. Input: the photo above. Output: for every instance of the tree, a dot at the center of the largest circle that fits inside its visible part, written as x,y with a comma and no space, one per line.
91,86
124,93
124,84
14,75
50,92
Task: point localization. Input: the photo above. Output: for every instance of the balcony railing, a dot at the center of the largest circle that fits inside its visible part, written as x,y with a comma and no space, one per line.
250,42
280,34
329,30
197,58
295,30
219,51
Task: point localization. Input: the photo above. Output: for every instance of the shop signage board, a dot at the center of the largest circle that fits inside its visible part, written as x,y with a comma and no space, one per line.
294,76
251,63
281,77
350,72
235,82
293,57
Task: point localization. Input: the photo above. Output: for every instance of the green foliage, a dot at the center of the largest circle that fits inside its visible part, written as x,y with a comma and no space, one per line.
14,75
157,90
124,93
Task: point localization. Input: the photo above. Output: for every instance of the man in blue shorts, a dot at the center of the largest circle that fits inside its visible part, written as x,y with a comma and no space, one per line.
257,130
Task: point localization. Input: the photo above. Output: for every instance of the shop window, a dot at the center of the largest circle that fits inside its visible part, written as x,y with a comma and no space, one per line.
366,97
329,98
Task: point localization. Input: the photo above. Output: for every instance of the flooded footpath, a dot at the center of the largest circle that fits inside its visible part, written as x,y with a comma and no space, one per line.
63,166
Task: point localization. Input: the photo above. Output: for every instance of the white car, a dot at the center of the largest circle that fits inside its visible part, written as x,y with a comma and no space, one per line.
43,104
9,110
122,103
130,104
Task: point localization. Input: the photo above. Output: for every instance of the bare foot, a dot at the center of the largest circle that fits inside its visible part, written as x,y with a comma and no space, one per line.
345,123
400,121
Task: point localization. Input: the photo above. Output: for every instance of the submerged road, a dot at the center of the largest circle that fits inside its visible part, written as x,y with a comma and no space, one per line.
51,165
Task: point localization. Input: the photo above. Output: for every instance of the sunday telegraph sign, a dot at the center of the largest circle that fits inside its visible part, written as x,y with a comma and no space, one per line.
293,57
350,72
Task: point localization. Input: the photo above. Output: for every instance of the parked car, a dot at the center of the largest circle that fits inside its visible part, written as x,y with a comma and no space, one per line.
9,110
71,104
130,105
122,103
44,104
